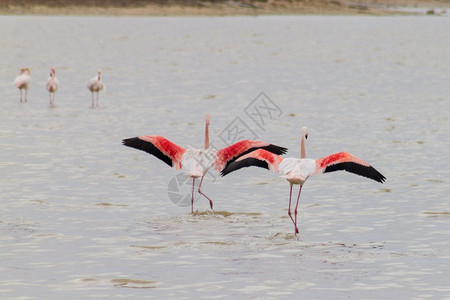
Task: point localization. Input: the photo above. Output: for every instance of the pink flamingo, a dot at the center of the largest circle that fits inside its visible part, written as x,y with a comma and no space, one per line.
52,86
297,171
23,82
196,162
95,85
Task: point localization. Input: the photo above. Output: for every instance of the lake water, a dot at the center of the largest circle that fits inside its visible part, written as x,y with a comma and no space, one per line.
82,216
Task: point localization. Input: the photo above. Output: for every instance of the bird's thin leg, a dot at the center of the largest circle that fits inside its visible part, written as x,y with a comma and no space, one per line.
26,95
97,99
289,210
20,95
295,211
50,99
192,198
92,99
209,199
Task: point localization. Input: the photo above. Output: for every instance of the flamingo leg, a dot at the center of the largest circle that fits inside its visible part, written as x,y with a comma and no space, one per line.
97,99
20,95
192,198
289,210
295,211
209,199
26,95
92,99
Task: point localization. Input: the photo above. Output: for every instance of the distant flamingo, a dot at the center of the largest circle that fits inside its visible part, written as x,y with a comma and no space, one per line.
95,85
23,82
196,162
297,171
52,86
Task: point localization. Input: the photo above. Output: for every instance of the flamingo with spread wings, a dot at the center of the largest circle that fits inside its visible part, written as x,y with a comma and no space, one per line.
196,162
298,170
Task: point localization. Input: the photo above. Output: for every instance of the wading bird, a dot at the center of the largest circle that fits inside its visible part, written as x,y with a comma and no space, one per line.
52,86
95,85
23,82
298,170
196,162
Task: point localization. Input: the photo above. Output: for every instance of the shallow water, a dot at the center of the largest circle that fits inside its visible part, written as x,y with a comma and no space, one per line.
81,216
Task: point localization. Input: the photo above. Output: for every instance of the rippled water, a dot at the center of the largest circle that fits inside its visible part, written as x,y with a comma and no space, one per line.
81,216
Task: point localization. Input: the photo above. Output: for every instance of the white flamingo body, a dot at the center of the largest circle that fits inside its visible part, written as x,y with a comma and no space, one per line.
23,81
52,86
95,85
196,162
298,170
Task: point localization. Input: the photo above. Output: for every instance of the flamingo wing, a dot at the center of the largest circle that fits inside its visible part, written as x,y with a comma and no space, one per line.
52,84
347,162
95,84
22,81
158,146
259,158
229,154
91,83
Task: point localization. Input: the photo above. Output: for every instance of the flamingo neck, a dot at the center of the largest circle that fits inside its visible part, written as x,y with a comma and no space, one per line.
207,135
303,148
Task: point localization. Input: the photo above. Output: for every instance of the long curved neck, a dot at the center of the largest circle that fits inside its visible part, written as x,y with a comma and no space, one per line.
207,135
303,148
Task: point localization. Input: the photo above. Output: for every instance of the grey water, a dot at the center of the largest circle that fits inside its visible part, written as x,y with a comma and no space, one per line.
82,216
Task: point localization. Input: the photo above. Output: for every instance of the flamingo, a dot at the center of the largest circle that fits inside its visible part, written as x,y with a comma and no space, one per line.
297,171
52,86
95,85
23,82
196,162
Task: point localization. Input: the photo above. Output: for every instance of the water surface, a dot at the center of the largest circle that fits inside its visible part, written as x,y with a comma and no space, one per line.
81,216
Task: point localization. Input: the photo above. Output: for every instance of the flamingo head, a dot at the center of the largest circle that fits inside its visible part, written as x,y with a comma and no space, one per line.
304,132
25,70
52,72
99,74
208,119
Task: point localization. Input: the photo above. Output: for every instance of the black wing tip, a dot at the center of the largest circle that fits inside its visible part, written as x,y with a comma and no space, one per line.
372,173
355,168
381,177
278,150
148,147
127,141
250,161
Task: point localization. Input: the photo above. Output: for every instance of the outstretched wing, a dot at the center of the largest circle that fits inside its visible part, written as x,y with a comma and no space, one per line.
158,146
229,154
259,158
347,162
